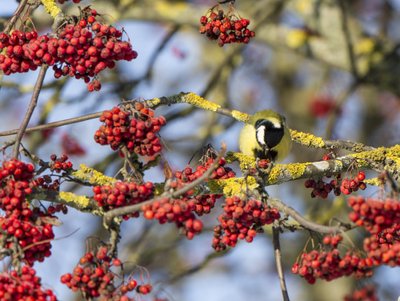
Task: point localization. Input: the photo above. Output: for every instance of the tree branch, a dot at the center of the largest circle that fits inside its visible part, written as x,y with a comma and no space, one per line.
16,15
54,124
347,36
31,108
278,263
281,206
210,257
305,139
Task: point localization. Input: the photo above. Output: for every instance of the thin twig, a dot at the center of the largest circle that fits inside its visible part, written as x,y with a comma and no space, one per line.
16,15
347,36
159,49
304,222
54,124
194,269
134,169
278,262
31,108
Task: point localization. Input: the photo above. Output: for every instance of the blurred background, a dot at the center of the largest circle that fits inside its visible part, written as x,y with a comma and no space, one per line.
331,67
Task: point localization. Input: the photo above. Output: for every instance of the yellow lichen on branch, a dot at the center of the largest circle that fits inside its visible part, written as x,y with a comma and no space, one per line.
51,7
393,153
92,176
307,139
373,181
200,102
245,161
233,186
295,170
240,116
79,201
377,155
189,98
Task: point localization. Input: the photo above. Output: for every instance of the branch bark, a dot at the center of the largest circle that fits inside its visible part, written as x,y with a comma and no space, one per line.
31,108
278,263
16,15
281,206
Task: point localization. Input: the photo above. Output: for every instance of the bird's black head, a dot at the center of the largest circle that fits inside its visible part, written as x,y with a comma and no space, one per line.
269,132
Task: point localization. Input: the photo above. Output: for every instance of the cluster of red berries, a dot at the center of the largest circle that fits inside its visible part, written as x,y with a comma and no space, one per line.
349,185
179,211
94,278
23,285
221,172
242,219
19,171
59,164
217,25
122,194
81,50
322,105
57,208
263,163
47,182
137,130
382,253
71,146
329,265
321,189
31,228
374,215
381,218
15,185
182,211
366,293
390,235
332,240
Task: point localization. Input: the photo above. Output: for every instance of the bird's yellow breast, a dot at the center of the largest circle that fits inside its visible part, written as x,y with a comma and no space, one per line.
247,140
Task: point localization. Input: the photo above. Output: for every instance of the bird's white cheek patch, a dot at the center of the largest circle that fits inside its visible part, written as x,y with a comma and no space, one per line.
261,135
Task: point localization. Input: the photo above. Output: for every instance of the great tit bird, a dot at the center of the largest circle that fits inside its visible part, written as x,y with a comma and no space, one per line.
266,136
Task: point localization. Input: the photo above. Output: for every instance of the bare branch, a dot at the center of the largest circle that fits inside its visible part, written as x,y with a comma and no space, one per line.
31,108
16,15
194,269
54,124
281,206
278,262
347,36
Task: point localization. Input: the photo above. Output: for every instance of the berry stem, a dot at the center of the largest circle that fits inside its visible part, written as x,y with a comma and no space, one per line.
134,169
278,262
29,112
